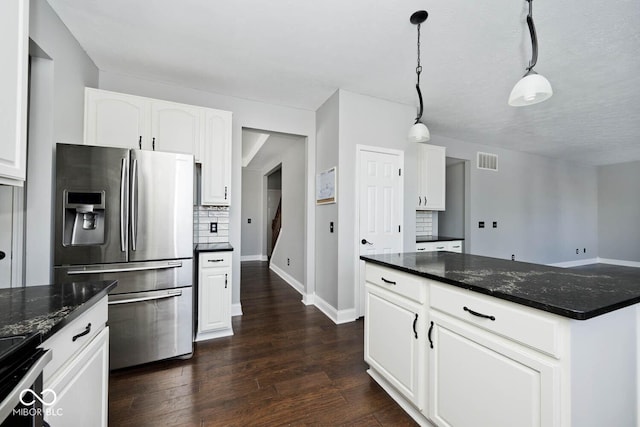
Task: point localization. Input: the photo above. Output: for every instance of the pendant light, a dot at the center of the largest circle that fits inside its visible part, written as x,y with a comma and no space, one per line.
419,132
532,87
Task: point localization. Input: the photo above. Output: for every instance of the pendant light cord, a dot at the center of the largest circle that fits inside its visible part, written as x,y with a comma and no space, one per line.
534,39
418,71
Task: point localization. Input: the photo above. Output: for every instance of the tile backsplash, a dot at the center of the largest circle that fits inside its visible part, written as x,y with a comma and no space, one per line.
424,223
203,216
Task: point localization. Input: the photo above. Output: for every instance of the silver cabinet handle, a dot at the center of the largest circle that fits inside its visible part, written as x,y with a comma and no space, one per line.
89,270
134,204
124,178
150,298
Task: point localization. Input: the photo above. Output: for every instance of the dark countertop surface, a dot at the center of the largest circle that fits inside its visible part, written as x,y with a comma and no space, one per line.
212,247
47,309
574,294
425,239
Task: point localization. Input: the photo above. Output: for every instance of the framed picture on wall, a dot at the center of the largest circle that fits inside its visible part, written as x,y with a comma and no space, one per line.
326,187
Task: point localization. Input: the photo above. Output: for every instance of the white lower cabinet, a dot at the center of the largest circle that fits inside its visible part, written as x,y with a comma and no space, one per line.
451,246
478,380
214,295
79,371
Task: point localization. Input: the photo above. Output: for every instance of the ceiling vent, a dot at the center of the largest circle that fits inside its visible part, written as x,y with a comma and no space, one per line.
487,161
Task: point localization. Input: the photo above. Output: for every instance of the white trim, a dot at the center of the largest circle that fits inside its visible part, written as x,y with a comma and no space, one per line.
17,242
236,309
622,262
575,263
203,336
254,258
337,316
287,278
309,299
358,286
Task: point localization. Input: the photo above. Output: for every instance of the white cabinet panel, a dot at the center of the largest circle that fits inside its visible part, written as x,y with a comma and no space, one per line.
214,295
216,152
176,128
14,45
431,177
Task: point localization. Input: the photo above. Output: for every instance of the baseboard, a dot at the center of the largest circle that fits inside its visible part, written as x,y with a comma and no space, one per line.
575,263
287,278
236,309
254,258
337,316
621,262
203,336
308,299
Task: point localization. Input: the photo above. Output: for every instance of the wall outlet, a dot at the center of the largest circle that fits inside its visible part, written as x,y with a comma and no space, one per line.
481,224
213,227
513,257
288,261
249,220
577,251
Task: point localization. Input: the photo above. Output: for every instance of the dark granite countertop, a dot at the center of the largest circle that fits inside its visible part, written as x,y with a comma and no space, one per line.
212,247
572,294
47,309
426,239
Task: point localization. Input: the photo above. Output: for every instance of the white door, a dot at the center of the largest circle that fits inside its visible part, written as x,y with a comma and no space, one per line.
6,227
380,187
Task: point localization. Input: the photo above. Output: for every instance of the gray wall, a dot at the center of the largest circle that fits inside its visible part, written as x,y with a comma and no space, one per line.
56,114
619,211
252,234
451,220
290,244
545,208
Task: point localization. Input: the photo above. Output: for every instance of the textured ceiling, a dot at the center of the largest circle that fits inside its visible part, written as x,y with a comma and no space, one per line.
298,52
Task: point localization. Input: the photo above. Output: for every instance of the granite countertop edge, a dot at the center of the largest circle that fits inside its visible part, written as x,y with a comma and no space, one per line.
79,310
212,247
572,314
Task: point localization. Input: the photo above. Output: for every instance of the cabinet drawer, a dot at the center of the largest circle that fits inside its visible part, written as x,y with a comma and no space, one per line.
62,343
432,246
455,246
215,259
516,322
407,285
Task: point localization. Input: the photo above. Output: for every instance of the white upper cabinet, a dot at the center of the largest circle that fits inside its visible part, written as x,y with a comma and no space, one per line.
14,49
119,120
115,120
431,178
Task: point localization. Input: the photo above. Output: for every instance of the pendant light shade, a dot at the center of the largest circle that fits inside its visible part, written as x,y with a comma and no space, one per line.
532,87
419,132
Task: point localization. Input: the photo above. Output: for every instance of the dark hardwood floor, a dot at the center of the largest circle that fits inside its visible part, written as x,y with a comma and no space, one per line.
287,364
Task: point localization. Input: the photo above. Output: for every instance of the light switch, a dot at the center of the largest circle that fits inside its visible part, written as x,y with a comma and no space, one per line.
213,227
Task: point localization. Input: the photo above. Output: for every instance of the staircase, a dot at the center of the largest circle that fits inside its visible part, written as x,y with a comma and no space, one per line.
276,225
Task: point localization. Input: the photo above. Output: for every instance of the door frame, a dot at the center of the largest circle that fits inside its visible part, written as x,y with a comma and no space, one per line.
358,264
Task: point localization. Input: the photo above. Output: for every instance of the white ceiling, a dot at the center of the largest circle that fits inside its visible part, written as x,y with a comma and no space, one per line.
263,150
298,52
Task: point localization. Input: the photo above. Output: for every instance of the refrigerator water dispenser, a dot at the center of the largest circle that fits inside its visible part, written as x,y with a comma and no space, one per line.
84,218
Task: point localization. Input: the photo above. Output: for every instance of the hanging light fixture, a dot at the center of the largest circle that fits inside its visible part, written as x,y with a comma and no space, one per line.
419,132
532,87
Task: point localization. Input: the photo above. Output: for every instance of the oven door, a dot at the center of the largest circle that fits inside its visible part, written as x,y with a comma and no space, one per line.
150,326
23,405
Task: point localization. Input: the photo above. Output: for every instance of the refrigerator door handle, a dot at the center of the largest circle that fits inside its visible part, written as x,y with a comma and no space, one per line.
134,204
149,298
98,270
124,208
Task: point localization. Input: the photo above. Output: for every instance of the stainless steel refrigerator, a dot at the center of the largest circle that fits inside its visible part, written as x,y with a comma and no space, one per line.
128,215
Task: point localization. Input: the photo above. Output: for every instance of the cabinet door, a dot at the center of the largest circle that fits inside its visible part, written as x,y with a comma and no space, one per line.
479,380
214,308
216,159
14,48
431,175
176,128
394,342
114,119
82,387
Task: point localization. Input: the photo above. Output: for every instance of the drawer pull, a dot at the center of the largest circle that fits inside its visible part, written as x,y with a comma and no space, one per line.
414,326
215,260
422,249
429,336
83,333
475,313
388,281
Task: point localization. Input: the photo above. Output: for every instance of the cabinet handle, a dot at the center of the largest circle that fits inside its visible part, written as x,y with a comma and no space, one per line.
215,260
388,281
225,192
430,330
83,333
140,142
419,200
414,326
153,144
225,280
422,249
475,313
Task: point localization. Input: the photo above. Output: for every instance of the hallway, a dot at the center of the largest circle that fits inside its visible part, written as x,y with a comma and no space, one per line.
287,364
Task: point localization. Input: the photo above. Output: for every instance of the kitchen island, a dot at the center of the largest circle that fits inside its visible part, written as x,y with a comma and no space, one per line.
464,340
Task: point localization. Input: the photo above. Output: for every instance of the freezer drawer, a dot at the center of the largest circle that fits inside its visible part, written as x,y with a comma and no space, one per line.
132,276
150,326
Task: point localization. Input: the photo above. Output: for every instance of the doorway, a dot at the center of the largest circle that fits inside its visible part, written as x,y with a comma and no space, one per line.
454,221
